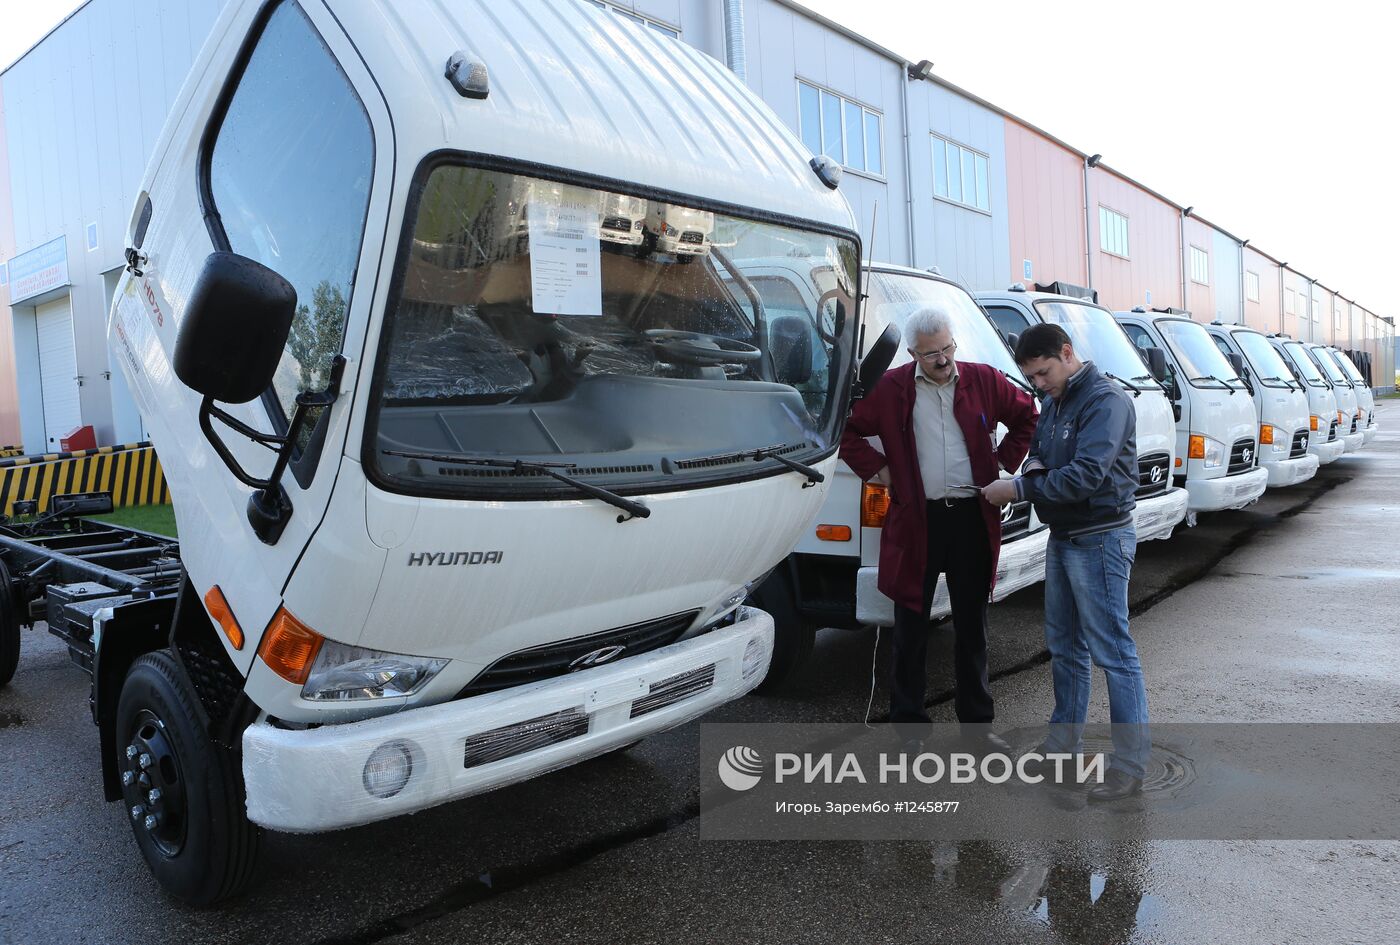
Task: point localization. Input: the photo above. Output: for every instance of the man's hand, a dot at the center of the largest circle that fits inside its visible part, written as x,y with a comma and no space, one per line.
999,493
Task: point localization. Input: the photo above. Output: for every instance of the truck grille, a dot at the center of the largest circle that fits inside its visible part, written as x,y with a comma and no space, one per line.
1331,431
1015,520
1300,444
617,223
1242,457
1154,474
511,740
1353,423
673,689
690,236
554,659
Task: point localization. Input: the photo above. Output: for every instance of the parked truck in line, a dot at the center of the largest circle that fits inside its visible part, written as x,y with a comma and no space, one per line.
1281,407
1217,434
1323,438
452,513
830,580
1343,373
1161,504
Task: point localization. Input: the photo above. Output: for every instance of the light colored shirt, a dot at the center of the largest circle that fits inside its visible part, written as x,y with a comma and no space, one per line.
944,463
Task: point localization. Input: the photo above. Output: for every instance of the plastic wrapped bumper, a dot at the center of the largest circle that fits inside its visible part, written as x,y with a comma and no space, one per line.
1022,563
1353,441
321,779
1158,516
1327,452
1369,434
1227,492
1290,472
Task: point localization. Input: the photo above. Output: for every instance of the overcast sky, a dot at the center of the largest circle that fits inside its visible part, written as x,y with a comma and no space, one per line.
1276,121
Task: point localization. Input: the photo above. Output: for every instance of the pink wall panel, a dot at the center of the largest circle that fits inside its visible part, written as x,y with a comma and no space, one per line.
1200,298
1154,249
1265,315
9,393
1045,197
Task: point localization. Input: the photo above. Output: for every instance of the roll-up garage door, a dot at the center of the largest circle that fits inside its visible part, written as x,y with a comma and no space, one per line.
58,370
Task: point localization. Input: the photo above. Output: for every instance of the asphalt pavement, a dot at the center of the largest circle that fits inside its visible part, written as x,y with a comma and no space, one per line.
1282,612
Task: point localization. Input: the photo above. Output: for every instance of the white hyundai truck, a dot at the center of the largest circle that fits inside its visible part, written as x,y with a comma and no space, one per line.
1281,407
459,502
1323,418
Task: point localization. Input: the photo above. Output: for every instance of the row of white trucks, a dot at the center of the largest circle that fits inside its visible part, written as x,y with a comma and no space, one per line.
497,356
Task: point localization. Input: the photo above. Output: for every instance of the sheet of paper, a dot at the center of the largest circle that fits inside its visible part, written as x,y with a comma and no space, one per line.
565,262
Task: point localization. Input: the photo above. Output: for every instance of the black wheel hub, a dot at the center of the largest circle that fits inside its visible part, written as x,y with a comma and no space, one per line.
153,783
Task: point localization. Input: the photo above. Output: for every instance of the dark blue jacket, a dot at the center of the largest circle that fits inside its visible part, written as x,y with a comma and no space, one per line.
1087,442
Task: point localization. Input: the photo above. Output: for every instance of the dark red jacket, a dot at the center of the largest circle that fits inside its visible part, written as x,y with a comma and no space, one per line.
984,398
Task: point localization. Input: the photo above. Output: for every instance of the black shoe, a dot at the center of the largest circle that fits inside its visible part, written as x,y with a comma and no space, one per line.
1116,785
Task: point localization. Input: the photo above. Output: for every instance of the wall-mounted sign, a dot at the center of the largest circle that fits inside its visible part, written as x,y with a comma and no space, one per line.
1026,269
40,270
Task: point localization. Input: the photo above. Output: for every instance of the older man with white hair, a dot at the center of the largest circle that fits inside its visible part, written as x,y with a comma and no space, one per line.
936,418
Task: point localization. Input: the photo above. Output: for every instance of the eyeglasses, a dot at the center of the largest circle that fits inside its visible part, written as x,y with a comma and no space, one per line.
946,351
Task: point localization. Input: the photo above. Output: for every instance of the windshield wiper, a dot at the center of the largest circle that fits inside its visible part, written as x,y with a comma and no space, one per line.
1212,377
762,453
1021,384
634,509
1137,391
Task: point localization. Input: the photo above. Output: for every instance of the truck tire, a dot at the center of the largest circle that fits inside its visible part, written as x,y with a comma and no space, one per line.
9,628
793,635
195,834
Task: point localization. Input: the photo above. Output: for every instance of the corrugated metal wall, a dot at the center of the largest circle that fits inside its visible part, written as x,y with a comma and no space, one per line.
9,391
1151,275
1265,314
1225,279
1045,193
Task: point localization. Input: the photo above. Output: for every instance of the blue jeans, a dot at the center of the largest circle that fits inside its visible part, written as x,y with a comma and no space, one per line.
1086,620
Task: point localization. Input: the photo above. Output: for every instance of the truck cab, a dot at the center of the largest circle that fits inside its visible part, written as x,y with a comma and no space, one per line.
465,493
830,579
1161,505
1324,420
1216,428
1348,408
1280,404
1364,417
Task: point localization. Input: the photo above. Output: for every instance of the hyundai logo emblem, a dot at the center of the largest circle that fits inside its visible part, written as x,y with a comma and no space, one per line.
596,658
1007,514
1247,455
1156,473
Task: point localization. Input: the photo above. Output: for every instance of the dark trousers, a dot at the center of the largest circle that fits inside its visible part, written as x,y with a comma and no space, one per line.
957,549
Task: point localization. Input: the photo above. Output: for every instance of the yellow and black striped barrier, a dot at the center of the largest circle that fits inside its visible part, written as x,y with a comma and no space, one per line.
131,473
7,451
20,459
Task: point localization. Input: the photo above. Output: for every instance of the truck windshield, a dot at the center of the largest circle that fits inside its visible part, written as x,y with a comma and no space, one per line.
1202,361
1305,364
1348,365
616,338
1263,358
1329,366
1097,337
892,296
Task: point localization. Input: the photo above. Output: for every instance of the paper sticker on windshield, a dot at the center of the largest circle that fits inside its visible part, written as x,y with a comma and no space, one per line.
565,273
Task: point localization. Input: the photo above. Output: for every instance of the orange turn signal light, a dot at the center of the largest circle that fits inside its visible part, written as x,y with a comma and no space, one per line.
834,532
1196,449
1266,433
1314,421
289,647
218,608
874,505
1178,462
1339,417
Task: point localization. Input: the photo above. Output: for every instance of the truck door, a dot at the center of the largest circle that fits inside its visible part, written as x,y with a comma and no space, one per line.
285,156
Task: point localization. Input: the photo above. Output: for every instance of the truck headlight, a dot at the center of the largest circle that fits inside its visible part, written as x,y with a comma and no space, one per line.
344,672
1210,452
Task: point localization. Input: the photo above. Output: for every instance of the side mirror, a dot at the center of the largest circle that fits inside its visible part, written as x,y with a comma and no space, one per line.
230,341
1237,362
235,327
1012,340
790,343
1156,362
876,362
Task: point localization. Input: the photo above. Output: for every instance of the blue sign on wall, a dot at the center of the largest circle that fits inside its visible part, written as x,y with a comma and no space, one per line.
1026,269
38,271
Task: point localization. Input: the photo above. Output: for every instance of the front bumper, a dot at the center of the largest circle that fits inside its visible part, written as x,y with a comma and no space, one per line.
1290,472
1158,516
1353,441
1369,433
1021,564
311,780
1326,452
1226,492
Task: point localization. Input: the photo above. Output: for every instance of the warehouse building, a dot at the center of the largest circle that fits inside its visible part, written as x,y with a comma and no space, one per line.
936,175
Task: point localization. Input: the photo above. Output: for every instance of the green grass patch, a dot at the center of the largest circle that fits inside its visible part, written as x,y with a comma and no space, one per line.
159,519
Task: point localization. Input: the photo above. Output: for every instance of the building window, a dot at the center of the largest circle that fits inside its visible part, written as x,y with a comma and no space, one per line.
1251,285
1337,318
1316,310
1200,266
841,129
298,210
1113,232
961,174
1290,302
657,25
